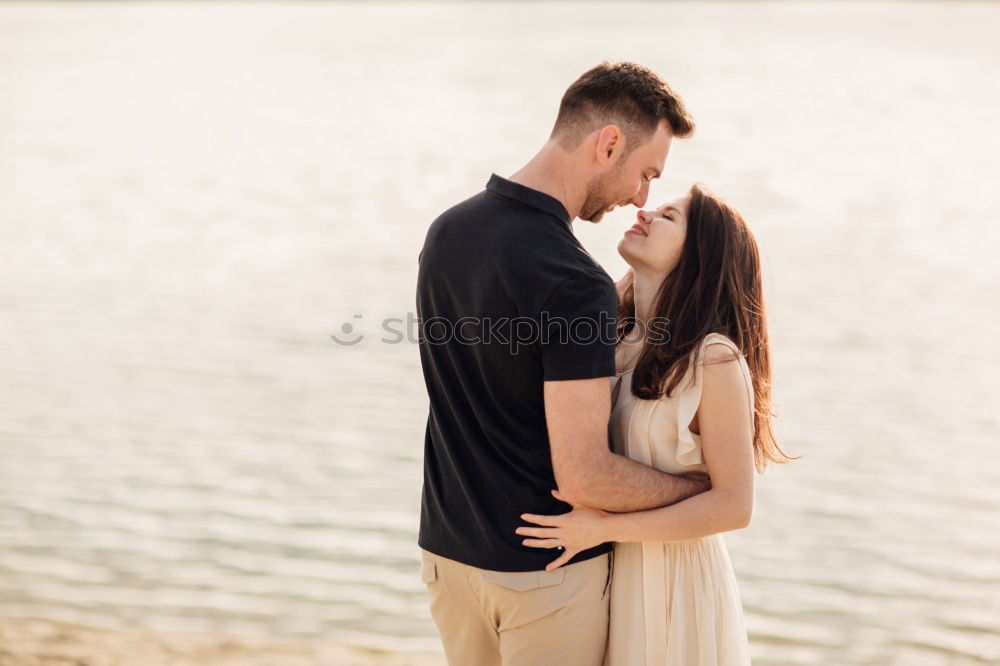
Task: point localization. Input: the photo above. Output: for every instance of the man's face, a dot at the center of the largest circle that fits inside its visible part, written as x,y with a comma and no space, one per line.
628,181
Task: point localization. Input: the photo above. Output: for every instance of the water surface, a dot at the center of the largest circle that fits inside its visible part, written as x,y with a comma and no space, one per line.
193,197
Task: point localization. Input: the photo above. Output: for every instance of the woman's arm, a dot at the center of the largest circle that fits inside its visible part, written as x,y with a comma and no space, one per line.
726,437
727,445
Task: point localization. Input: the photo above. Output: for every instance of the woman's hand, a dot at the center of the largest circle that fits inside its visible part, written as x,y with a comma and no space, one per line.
576,531
624,284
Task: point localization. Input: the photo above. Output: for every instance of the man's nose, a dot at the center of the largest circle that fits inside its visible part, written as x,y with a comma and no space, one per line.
639,200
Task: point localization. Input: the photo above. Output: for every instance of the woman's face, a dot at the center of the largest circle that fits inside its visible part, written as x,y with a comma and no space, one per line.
656,240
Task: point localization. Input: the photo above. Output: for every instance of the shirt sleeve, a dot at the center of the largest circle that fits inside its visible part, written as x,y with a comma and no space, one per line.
577,325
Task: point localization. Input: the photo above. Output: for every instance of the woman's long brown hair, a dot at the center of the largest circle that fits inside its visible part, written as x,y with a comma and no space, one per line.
716,287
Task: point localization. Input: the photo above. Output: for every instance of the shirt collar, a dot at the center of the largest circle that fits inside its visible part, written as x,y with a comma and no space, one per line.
528,196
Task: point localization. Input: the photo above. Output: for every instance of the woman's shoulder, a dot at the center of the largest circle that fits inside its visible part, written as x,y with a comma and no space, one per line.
718,348
718,352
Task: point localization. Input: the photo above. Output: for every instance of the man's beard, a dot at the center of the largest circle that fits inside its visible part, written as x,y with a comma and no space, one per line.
599,196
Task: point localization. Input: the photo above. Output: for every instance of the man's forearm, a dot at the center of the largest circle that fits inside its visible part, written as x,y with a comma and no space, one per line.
619,484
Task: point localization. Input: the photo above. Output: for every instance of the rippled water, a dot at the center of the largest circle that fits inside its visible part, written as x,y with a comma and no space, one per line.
193,197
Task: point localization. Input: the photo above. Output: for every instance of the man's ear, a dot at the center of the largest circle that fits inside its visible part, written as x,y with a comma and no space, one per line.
610,144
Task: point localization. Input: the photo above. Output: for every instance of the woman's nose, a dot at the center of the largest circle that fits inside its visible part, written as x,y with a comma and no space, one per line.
643,216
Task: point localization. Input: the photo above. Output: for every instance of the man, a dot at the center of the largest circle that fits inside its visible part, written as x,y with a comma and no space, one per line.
518,380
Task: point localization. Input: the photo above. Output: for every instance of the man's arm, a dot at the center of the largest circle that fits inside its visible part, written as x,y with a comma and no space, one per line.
586,470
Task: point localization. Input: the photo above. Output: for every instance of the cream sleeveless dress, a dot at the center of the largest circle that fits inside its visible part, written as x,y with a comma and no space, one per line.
673,603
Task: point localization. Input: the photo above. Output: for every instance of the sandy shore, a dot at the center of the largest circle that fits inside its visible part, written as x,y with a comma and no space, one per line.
44,643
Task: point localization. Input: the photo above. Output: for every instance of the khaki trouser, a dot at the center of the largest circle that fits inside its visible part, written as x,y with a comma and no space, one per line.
522,618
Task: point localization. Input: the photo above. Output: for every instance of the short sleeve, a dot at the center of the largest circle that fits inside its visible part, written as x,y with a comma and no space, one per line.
577,325
689,443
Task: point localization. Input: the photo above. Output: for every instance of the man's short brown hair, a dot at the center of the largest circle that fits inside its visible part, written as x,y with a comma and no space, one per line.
624,94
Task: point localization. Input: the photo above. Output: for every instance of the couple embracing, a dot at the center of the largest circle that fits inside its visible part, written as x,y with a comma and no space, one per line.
588,441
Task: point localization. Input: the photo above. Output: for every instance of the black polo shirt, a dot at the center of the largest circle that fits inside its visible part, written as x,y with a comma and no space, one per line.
507,298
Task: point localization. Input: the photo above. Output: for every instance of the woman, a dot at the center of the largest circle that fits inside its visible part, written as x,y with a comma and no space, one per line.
692,396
